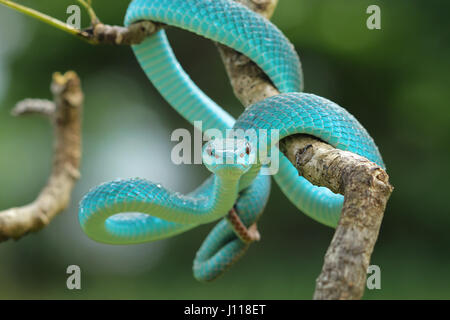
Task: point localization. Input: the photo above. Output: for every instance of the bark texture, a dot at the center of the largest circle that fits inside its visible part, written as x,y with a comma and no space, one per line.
118,35
65,115
366,190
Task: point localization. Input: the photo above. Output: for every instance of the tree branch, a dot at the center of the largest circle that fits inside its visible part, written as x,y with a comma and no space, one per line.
65,115
34,106
100,33
97,33
366,190
365,186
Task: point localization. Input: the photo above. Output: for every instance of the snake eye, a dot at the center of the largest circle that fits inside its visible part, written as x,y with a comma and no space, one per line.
247,150
209,151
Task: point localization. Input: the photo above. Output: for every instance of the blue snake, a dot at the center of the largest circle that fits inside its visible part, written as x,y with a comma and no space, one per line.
136,210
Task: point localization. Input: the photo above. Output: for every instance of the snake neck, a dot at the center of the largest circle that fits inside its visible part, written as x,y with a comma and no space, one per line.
248,178
223,197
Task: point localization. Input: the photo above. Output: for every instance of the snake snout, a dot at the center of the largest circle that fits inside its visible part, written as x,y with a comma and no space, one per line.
228,156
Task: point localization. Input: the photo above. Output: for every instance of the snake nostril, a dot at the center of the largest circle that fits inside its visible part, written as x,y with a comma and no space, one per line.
241,155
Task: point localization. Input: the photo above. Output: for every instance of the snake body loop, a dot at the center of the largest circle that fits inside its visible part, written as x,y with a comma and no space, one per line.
162,213
226,22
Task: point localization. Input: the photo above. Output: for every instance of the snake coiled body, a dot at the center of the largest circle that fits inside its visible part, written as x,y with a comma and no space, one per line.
162,213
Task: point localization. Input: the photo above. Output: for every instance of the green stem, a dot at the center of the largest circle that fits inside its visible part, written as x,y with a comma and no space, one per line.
50,21
41,16
91,12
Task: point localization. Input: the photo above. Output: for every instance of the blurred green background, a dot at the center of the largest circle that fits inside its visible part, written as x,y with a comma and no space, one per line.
394,80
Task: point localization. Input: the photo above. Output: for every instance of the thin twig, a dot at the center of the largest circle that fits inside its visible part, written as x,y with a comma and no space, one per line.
44,18
34,106
97,32
134,34
90,10
65,115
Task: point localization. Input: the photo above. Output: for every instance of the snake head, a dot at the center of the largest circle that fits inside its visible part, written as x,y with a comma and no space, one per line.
228,156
